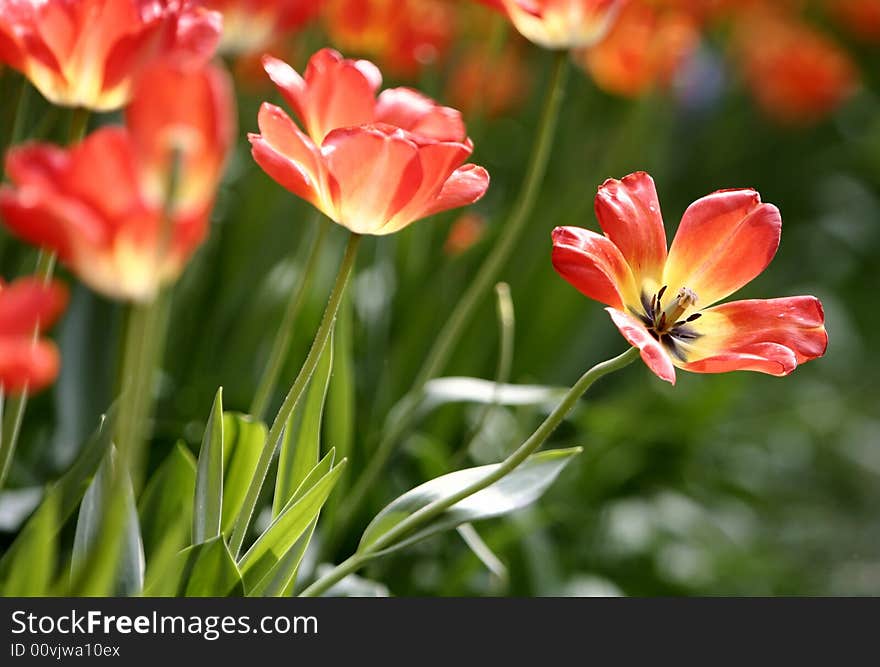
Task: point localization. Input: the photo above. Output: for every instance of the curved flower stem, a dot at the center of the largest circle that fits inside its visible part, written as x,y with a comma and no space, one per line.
281,344
243,519
434,509
449,336
13,412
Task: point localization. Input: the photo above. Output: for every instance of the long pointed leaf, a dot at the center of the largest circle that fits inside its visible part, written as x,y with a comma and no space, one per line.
301,452
63,497
128,578
208,510
167,502
281,579
243,439
32,568
516,490
286,529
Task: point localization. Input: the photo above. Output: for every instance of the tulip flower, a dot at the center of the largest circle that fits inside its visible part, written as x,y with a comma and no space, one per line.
127,207
372,164
489,83
662,302
403,35
796,73
250,26
645,47
860,17
27,307
560,24
87,53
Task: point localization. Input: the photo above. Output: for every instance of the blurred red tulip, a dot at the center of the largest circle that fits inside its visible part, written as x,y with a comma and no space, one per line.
86,53
27,307
104,205
487,83
251,26
560,24
402,35
645,47
464,234
860,17
374,165
796,73
662,303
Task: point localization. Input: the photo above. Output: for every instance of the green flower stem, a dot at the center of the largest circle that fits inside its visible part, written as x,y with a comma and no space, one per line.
510,233
13,412
14,122
141,350
322,336
281,344
436,508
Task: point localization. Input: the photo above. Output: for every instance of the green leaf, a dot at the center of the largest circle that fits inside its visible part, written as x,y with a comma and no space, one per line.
281,579
516,490
288,526
243,439
167,502
213,572
33,565
340,411
63,497
208,509
203,570
90,537
300,453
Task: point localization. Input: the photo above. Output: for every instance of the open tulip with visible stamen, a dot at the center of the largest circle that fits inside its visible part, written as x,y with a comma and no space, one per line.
662,302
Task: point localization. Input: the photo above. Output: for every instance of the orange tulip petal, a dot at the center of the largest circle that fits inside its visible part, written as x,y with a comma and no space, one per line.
653,354
412,111
334,93
466,185
593,265
629,213
724,241
797,323
769,358
374,171
286,154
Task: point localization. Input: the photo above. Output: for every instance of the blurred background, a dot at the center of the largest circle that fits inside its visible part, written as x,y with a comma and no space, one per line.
738,484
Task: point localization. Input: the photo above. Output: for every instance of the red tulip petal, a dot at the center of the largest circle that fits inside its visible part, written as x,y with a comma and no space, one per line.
770,358
629,213
725,240
286,154
375,171
26,364
289,83
594,266
651,350
438,164
466,185
334,93
29,303
197,36
797,323
420,115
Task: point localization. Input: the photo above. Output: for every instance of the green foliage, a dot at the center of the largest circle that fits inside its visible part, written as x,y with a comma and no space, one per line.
515,491
208,510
